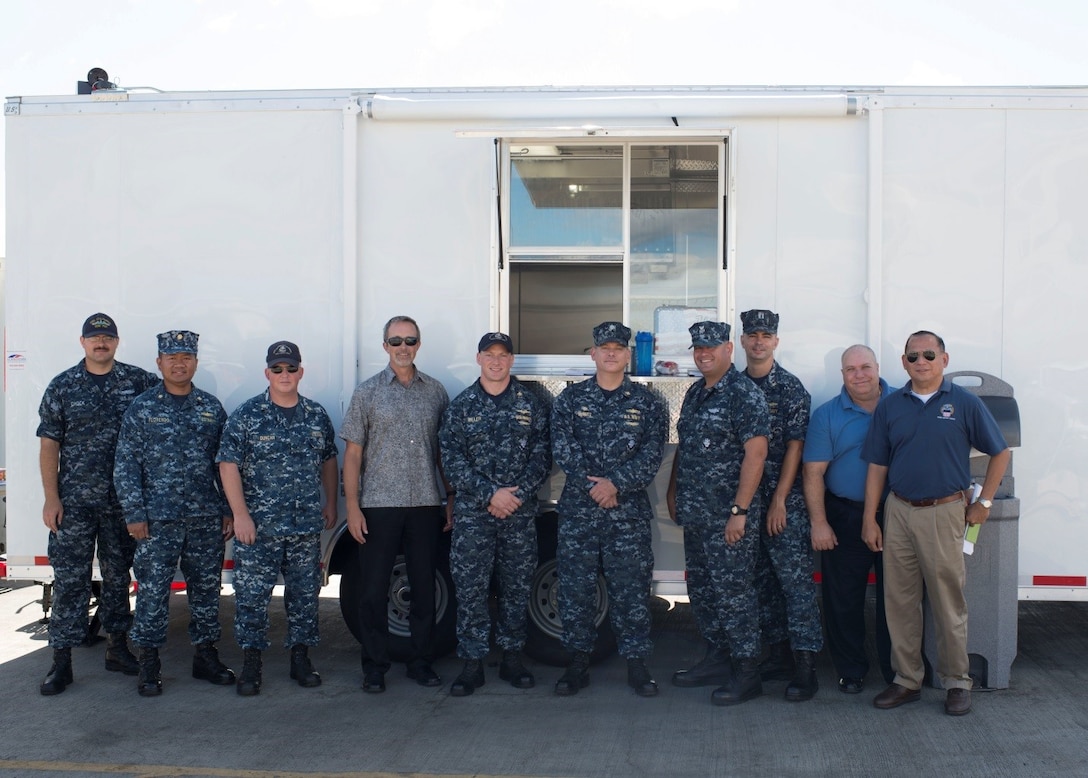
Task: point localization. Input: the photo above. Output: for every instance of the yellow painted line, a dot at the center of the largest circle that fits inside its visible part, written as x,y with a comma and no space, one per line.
172,771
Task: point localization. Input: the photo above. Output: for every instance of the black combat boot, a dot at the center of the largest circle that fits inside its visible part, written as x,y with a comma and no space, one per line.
302,670
714,669
778,666
118,656
744,685
60,674
149,682
250,682
207,667
639,678
511,669
804,684
472,676
576,677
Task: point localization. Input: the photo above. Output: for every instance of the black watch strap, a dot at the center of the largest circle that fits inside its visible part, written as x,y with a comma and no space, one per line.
736,510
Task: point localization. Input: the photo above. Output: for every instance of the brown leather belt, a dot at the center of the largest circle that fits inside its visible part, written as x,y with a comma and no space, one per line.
929,502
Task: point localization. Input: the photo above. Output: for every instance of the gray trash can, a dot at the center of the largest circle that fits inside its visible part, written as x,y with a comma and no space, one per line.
993,568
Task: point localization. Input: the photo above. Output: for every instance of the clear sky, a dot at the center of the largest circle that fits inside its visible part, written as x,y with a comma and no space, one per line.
48,45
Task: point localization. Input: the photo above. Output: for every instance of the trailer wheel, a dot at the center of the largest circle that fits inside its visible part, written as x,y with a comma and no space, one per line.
545,628
400,602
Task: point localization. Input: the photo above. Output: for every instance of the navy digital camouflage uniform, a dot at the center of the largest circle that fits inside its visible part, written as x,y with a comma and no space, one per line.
280,463
621,436
713,427
787,593
488,443
84,417
166,475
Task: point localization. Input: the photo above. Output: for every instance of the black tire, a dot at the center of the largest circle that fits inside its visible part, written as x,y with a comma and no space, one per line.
545,628
400,599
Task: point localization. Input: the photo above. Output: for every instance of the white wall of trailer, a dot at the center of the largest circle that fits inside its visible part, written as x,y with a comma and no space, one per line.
224,221
426,245
254,216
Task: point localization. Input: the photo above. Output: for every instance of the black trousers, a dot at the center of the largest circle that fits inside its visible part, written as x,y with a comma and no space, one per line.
845,574
419,530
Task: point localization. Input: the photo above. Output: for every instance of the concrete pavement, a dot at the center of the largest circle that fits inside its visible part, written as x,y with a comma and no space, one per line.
1038,727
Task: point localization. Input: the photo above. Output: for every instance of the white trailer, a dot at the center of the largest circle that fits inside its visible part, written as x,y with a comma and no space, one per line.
859,214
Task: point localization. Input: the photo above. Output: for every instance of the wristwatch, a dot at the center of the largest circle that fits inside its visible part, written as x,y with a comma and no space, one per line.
736,510
987,504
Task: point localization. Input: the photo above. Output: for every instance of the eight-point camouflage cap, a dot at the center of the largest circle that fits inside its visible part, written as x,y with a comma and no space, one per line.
611,332
178,342
285,352
99,324
709,333
758,320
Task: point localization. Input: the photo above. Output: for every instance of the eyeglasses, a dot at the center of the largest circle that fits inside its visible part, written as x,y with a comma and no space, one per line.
912,357
396,340
277,369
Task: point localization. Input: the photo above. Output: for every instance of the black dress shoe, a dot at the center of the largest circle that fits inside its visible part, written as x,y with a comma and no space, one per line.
896,695
424,675
851,685
374,682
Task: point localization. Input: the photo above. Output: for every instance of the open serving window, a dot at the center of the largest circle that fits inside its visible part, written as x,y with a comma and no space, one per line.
632,231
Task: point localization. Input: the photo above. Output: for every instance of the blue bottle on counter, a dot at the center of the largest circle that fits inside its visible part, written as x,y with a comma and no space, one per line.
644,353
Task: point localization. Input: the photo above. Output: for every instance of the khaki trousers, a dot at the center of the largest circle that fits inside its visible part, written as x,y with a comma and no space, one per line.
923,553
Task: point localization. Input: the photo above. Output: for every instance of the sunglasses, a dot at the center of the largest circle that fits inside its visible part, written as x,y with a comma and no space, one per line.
912,357
396,340
277,369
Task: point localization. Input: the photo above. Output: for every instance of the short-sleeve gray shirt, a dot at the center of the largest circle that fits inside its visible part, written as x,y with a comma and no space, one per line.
397,428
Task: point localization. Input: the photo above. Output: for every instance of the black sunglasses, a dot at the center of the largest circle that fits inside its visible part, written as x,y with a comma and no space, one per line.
912,357
396,340
277,369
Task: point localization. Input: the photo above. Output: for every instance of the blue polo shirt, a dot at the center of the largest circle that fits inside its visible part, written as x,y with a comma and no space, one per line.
836,433
926,447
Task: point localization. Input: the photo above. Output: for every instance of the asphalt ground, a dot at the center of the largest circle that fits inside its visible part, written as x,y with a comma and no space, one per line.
100,726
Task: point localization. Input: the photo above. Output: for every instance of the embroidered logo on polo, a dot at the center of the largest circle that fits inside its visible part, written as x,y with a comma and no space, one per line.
947,411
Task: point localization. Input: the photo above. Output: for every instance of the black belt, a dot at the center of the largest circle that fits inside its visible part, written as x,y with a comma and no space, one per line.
852,503
930,502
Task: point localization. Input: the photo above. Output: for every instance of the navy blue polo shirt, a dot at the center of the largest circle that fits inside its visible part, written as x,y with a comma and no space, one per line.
926,447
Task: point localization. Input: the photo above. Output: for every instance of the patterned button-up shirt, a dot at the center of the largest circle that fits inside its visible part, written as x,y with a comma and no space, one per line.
397,428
